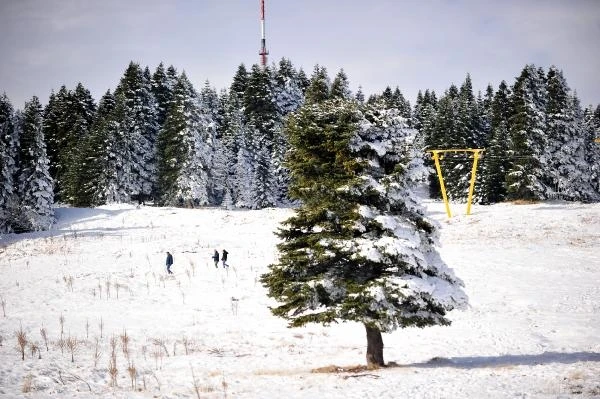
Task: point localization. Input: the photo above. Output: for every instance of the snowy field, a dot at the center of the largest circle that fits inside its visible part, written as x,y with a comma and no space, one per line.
532,330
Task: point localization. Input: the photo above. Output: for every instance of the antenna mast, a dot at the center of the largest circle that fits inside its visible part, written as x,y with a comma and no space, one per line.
263,46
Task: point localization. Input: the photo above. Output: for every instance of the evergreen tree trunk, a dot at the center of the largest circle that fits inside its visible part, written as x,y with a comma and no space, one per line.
374,348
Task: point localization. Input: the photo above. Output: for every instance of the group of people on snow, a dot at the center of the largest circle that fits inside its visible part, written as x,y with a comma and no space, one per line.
215,257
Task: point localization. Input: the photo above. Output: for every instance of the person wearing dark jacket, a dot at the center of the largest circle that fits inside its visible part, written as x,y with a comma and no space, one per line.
216,258
169,262
224,258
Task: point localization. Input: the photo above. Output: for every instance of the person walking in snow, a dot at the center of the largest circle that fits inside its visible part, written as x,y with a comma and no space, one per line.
224,258
169,262
216,258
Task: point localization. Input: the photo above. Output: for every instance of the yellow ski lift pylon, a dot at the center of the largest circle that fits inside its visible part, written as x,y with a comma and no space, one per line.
436,158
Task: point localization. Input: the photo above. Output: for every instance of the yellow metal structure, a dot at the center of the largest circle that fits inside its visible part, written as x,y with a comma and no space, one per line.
438,168
597,140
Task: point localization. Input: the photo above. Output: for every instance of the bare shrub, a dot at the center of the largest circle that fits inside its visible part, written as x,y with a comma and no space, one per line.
3,304
97,353
44,335
62,344
125,343
72,345
27,384
157,354
132,375
34,347
161,342
113,346
117,287
195,382
21,341
186,345
61,320
107,288
101,327
113,372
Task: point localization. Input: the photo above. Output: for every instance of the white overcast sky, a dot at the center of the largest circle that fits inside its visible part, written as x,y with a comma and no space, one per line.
412,44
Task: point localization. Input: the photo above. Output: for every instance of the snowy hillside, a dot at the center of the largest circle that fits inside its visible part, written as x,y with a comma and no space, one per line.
532,273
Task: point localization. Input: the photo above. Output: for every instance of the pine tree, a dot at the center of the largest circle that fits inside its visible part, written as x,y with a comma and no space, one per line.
360,96
340,88
303,80
319,87
525,177
592,153
8,167
138,130
445,135
262,118
566,141
359,247
495,159
93,179
56,132
162,89
184,150
81,112
288,93
34,181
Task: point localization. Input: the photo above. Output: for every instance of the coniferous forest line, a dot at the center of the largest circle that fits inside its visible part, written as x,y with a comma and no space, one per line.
156,137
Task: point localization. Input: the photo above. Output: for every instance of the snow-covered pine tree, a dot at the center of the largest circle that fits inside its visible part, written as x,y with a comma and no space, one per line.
162,89
340,88
243,182
467,134
445,135
8,166
54,121
359,96
318,89
303,80
262,117
184,148
495,159
80,114
359,247
138,130
525,177
568,172
210,150
96,152
424,119
288,93
34,182
592,154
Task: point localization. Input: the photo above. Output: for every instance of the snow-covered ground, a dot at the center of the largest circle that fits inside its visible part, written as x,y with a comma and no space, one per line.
532,329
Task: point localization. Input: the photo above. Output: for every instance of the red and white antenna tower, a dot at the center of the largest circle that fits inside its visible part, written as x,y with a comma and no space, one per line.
263,46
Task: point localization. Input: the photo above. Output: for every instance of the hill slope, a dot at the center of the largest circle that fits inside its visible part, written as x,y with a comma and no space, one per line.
531,272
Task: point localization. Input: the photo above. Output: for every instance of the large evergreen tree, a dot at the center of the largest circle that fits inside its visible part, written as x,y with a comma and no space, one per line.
359,247
525,177
568,172
495,159
137,133
94,156
8,166
34,181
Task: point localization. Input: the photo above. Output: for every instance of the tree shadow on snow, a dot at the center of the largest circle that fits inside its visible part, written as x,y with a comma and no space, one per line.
473,362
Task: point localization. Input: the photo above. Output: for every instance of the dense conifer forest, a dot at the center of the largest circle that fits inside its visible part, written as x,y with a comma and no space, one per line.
158,138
